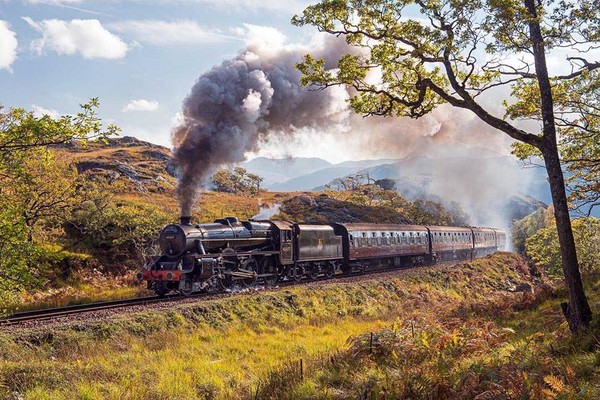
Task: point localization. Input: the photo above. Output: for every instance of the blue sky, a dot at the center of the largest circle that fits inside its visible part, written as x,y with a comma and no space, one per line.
139,57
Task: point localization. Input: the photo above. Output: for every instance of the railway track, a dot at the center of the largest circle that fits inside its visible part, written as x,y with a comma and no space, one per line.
49,314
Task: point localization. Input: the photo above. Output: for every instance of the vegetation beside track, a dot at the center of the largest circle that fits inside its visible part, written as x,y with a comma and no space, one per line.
457,331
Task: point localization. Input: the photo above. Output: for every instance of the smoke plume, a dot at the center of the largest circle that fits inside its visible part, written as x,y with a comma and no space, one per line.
235,105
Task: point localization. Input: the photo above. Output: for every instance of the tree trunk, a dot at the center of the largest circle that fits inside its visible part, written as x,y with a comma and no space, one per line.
577,310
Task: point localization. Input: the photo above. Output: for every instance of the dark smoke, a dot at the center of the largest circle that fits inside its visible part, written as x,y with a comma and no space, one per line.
235,105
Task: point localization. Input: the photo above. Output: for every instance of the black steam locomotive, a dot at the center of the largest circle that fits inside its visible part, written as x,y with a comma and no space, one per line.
228,252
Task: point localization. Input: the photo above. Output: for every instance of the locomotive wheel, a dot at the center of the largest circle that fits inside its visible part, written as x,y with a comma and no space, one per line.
314,272
226,282
267,266
187,289
298,273
330,269
251,266
161,288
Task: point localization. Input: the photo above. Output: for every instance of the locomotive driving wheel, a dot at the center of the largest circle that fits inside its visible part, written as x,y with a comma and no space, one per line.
250,265
267,266
226,282
299,271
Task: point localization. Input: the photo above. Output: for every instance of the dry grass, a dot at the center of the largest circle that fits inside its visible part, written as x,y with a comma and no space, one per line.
449,332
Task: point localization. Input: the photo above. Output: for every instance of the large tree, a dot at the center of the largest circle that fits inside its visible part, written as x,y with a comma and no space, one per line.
459,51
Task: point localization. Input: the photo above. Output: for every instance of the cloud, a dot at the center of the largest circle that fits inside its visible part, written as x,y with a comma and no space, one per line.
163,33
84,36
41,111
263,37
291,6
141,105
55,2
8,46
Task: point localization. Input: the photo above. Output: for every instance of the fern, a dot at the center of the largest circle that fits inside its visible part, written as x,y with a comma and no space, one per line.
555,383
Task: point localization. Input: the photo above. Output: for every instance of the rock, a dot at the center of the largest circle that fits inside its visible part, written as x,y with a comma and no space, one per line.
524,287
324,209
156,155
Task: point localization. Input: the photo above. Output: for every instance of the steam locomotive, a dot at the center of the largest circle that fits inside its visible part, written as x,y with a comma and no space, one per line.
230,252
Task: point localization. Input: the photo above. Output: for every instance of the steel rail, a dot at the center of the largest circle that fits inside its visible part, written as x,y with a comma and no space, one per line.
50,313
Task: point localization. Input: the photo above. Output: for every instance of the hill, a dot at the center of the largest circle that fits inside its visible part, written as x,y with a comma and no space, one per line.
142,166
324,209
275,171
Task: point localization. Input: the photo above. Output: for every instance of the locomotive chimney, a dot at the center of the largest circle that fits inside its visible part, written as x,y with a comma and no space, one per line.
185,220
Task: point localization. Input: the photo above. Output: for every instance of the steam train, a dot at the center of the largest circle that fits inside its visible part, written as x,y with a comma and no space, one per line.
230,252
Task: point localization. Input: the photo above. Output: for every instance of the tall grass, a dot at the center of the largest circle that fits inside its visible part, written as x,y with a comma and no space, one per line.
437,332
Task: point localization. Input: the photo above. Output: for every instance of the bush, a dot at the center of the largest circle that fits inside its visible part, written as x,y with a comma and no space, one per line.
544,250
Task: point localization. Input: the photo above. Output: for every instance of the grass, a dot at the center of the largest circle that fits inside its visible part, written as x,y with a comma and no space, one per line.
435,331
81,293
511,348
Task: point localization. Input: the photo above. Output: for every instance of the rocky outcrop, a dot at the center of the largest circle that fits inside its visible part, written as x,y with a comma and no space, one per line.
324,209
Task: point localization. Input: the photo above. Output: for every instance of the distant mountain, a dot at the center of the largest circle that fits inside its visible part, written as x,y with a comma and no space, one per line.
492,190
314,179
283,169
365,163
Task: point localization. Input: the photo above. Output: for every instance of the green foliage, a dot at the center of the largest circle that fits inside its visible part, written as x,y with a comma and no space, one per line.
237,181
578,127
21,130
543,246
123,228
35,188
527,227
17,266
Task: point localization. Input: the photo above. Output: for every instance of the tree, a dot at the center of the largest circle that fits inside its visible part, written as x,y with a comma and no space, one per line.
454,53
21,130
34,186
386,183
542,245
239,180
